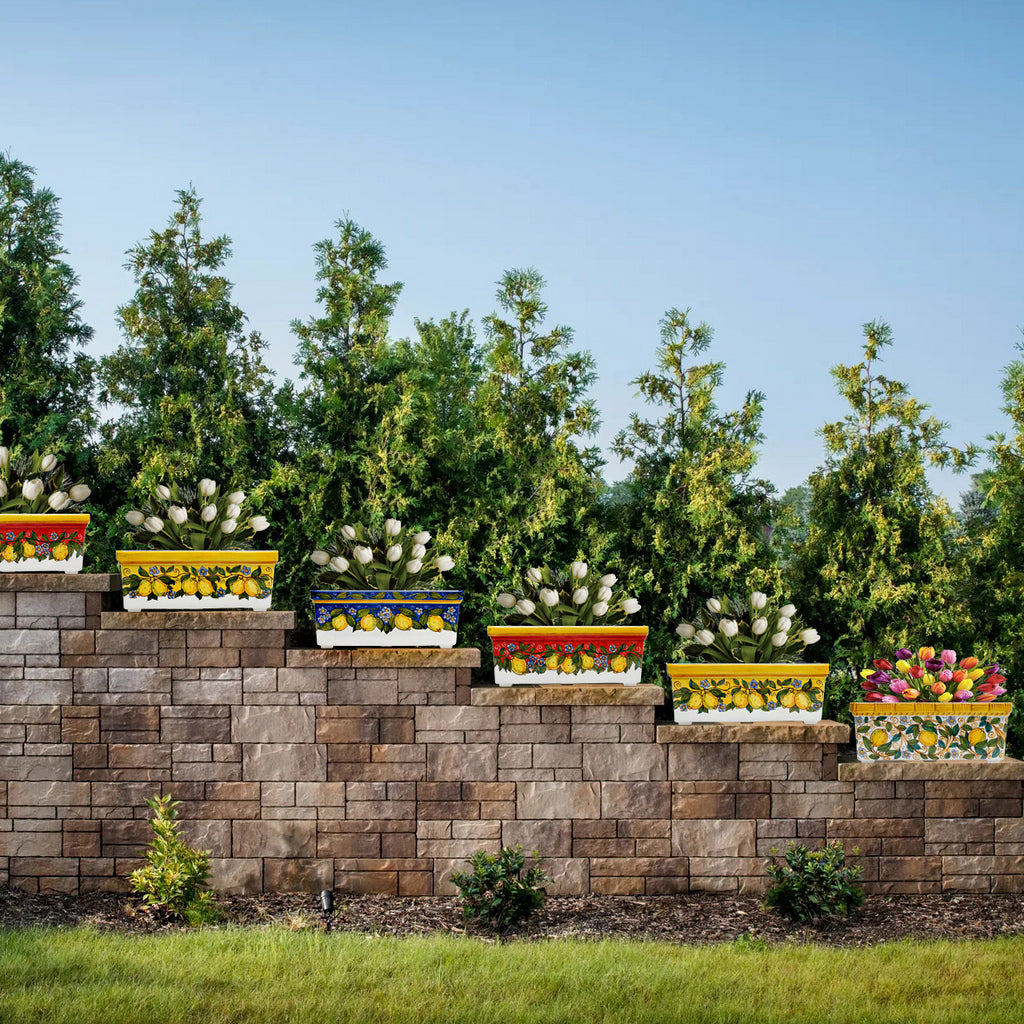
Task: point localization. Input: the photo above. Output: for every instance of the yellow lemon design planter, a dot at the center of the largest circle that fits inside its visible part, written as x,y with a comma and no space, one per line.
191,580
954,731
736,692
567,654
42,543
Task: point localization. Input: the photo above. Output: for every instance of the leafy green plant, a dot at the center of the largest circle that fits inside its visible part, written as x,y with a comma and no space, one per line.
497,891
813,884
173,882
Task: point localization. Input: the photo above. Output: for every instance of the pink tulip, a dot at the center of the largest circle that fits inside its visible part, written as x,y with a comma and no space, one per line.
945,675
899,685
949,657
962,695
890,699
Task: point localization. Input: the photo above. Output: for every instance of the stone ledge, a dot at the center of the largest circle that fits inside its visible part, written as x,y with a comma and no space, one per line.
756,732
59,583
566,694
931,771
198,620
382,657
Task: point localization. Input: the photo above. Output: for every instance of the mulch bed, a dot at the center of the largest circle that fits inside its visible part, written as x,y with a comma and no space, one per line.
692,919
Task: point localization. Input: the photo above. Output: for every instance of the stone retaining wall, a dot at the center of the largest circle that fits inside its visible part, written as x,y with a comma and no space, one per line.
380,771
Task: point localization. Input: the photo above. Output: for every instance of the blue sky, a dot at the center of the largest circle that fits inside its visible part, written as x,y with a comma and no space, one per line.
786,170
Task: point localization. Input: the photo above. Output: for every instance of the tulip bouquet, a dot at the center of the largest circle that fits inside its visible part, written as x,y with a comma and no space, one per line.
576,598
750,632
36,485
205,519
928,677
365,558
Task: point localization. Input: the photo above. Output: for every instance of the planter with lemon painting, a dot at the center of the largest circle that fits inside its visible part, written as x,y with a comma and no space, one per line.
386,618
51,542
542,655
738,692
954,731
194,580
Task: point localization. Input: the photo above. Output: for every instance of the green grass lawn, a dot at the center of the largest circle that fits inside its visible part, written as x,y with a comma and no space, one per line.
274,975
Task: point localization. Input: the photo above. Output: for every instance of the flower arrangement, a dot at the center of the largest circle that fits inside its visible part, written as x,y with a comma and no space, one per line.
928,677
749,632
578,597
36,485
365,558
205,519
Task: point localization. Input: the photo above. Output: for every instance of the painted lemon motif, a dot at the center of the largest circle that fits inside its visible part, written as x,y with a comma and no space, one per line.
9,553
878,737
739,698
188,586
236,586
205,588
28,550
402,621
975,736
435,622
252,588
159,588
566,666
519,666
338,623
552,662
788,699
710,701
928,737
618,664
587,661
756,700
367,622
694,702
803,700
145,588
60,551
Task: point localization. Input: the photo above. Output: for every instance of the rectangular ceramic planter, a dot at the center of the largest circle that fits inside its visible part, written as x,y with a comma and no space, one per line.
736,692
386,618
42,543
542,655
955,731
192,580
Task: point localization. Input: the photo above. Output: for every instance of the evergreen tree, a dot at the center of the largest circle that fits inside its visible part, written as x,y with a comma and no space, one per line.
878,569
694,522
46,386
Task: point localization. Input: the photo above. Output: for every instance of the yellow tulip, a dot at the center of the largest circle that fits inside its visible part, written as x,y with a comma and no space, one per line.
367,622
519,666
902,666
929,679
402,621
435,622
60,551
925,653
975,673
865,672
618,664
945,698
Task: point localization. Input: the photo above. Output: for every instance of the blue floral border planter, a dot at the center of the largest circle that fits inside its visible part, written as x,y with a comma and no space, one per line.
386,618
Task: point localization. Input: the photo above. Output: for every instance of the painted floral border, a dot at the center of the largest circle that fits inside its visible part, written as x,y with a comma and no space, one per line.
20,543
529,656
387,611
706,696
978,737
173,581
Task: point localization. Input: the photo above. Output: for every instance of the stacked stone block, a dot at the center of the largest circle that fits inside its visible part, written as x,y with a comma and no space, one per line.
376,770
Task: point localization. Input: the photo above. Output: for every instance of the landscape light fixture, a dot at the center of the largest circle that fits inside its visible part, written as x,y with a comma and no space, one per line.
327,907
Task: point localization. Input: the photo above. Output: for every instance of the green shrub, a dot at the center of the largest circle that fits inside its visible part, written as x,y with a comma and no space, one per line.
497,892
813,884
173,882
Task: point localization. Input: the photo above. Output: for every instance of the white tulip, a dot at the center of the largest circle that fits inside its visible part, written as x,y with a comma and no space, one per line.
58,500
259,523
704,636
393,553
578,570
778,639
809,636
421,538
580,595
320,557
604,593
154,524
758,600
601,608
714,605
49,461
163,492
364,555
549,597
208,514
80,492
444,563
414,565
506,600
3,488
418,551
337,563
788,610
177,514
685,630
534,575
783,624
759,626
728,627
348,532
236,497
207,487
631,606
5,456
392,527
31,489
228,526
609,580
135,518
525,606
232,512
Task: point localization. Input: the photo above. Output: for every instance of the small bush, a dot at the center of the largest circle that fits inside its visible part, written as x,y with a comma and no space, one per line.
173,882
813,884
497,892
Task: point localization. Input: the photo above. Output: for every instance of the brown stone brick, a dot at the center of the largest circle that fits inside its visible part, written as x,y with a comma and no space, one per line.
446,791
624,761
558,800
129,641
77,641
753,805
812,805
488,791
959,830
453,761
709,838
381,883
849,828
613,886
80,730
534,734
907,846
557,755
130,718
348,752
284,762
216,657
89,755
397,730
704,806
888,808
253,638
498,809
262,657
910,869
551,837
353,844
195,730
298,875
415,883
132,755
999,808
444,810
954,807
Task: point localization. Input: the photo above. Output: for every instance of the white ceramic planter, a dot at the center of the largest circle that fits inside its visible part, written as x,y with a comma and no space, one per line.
42,543
386,618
